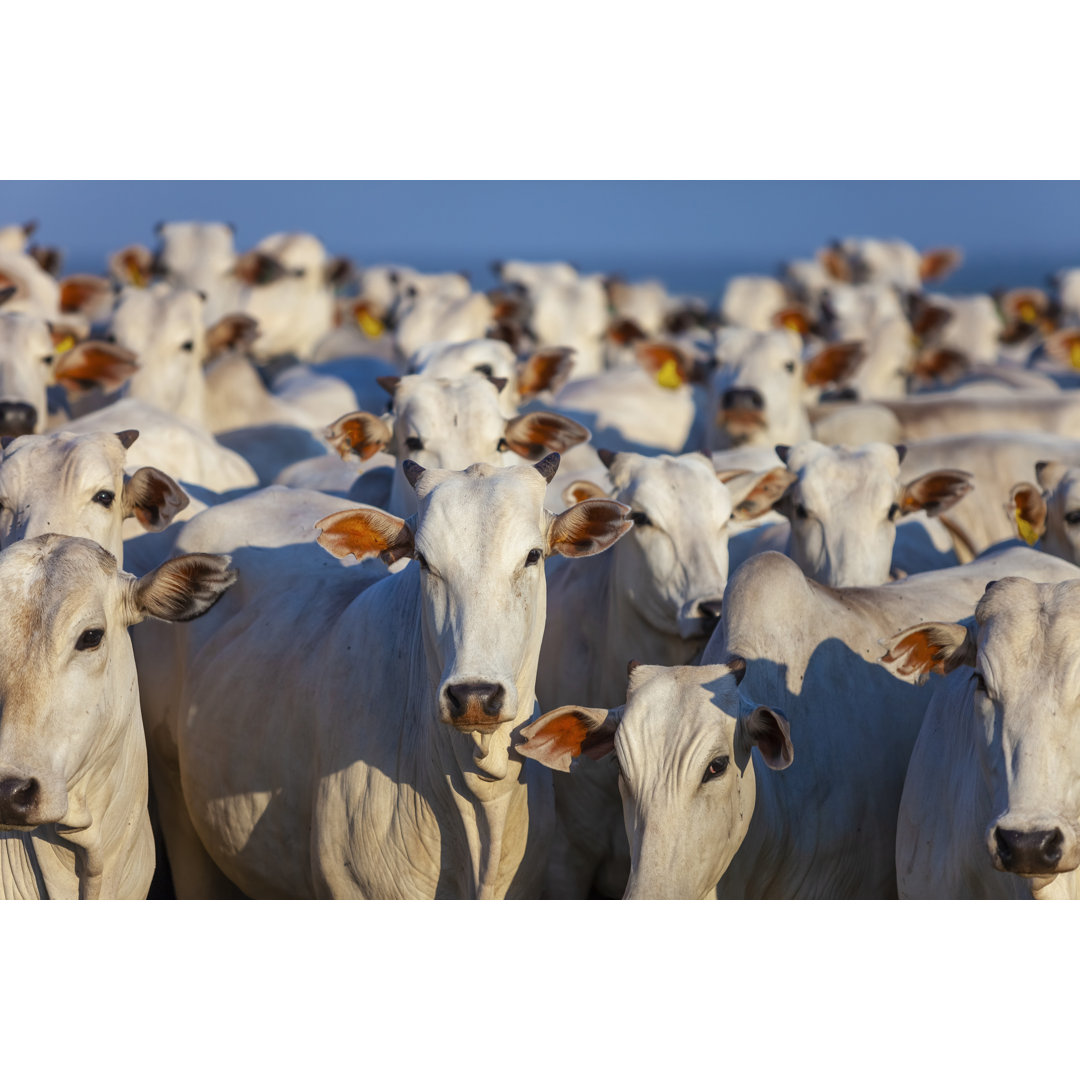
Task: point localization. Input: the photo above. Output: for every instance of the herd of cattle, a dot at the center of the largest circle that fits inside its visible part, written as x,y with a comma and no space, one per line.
344,513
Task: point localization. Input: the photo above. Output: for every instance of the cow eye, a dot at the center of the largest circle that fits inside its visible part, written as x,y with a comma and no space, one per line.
894,511
638,518
47,359
89,639
1073,517
188,346
533,557
414,443
717,767
110,338
801,511
421,560
410,292
484,369
503,445
789,367
105,498
980,683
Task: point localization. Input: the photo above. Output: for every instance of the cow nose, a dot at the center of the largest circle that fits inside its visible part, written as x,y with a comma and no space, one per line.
17,799
474,700
742,397
1029,852
17,418
711,611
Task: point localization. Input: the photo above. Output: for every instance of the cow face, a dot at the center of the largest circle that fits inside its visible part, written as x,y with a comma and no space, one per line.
674,564
75,485
479,541
1024,695
67,674
1050,509
683,743
845,505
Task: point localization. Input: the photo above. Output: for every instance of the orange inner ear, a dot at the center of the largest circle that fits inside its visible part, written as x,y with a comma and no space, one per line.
566,732
88,365
916,653
365,532
77,292
541,370
833,363
836,265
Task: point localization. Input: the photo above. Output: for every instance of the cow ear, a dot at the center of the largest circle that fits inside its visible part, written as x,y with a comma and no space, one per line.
258,268
337,271
945,364
1028,511
364,532
834,363
727,475
359,433
94,363
836,264
133,265
558,737
86,294
7,292
534,435
665,363
153,499
588,527
939,262
580,490
545,369
233,331
928,648
181,589
768,730
1049,474
935,492
755,493
1064,346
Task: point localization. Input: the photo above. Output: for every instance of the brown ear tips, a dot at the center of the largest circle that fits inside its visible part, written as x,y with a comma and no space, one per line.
607,457
547,467
127,438
412,471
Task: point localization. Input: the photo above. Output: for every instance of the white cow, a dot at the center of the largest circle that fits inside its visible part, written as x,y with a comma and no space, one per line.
655,597
754,302
889,262
73,780
683,752
991,803
381,764
1050,510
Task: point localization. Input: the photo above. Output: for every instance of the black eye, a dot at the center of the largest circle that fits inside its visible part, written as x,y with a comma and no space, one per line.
105,498
110,338
717,767
801,511
638,518
533,557
47,359
89,639
421,560
188,346
894,511
1073,517
484,369
410,292
789,367
980,683
503,445
414,443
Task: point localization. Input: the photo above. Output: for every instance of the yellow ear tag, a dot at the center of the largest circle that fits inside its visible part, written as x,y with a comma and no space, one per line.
137,278
794,324
1074,354
1027,532
368,323
668,375
64,344
1027,312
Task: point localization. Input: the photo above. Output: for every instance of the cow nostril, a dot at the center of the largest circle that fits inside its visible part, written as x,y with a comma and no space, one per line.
474,697
17,418
17,797
743,397
1029,852
1052,847
456,707
711,609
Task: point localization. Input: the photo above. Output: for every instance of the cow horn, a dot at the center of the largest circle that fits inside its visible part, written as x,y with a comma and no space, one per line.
548,467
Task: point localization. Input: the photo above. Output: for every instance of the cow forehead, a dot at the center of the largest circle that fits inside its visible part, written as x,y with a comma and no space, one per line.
150,314
47,581
674,487
678,708
1028,619
23,334
451,358
63,457
485,508
824,471
295,249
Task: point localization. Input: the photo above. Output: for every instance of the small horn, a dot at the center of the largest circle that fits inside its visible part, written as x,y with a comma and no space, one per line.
548,467
389,383
782,453
127,437
901,452
412,471
607,457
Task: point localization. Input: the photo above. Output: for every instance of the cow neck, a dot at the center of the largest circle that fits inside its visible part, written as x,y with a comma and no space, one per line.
104,838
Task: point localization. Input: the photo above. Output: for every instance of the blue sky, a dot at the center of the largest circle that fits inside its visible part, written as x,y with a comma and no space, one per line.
693,234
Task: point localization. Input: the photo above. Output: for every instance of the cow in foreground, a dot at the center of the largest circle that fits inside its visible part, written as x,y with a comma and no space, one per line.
991,804
379,764
73,780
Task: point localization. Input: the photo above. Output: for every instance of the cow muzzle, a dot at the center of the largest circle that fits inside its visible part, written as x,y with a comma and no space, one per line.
1030,853
741,413
474,706
17,418
699,618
